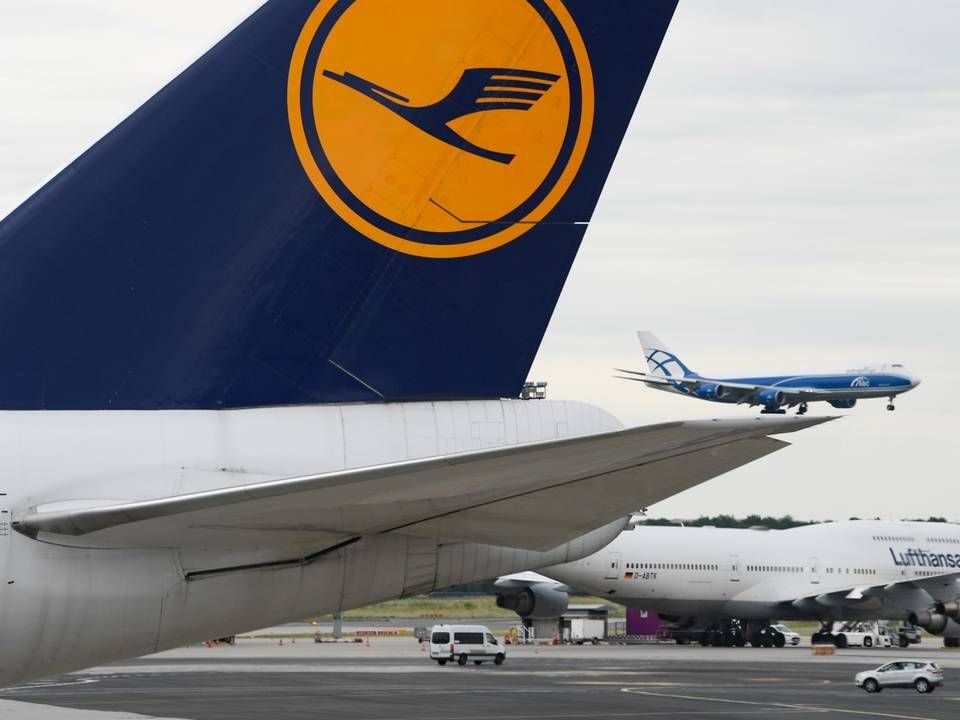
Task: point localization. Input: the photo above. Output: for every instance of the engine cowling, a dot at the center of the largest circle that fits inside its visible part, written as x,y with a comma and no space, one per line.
770,398
712,391
537,602
844,404
951,609
933,622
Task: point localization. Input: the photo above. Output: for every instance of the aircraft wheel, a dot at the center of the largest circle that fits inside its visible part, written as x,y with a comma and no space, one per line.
890,407
778,639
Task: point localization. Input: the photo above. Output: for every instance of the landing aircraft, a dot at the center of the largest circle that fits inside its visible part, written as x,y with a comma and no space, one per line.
701,579
261,343
842,390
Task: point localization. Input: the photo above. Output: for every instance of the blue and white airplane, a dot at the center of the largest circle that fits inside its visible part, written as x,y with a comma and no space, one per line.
842,390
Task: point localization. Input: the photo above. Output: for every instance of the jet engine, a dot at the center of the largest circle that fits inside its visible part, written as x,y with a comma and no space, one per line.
769,398
933,622
844,404
711,391
951,609
538,602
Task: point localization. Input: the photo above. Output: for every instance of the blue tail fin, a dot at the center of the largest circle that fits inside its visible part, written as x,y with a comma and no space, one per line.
339,202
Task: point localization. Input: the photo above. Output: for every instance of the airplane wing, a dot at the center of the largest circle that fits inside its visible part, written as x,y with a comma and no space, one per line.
534,496
909,591
737,392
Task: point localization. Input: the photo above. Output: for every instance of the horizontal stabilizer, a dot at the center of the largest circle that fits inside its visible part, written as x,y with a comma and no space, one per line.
533,496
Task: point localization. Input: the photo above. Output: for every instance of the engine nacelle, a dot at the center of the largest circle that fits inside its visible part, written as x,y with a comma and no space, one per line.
844,404
951,609
538,602
711,391
770,398
933,622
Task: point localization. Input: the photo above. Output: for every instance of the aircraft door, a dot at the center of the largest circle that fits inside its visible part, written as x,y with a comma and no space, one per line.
613,566
734,568
814,570
5,531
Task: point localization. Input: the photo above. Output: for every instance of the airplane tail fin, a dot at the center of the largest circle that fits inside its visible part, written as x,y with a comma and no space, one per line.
259,233
661,361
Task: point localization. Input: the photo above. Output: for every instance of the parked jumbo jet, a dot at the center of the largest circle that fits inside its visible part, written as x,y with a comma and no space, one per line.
702,579
255,340
842,390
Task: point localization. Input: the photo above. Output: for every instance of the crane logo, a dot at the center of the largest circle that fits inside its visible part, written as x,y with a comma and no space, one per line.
441,129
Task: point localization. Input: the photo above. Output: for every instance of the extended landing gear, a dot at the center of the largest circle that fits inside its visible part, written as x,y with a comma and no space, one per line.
890,406
726,634
802,410
760,634
773,410
823,636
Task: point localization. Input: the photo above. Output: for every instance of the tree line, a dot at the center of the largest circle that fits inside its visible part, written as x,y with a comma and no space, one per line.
774,523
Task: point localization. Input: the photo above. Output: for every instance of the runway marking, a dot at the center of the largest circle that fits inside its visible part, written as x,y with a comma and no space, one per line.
786,706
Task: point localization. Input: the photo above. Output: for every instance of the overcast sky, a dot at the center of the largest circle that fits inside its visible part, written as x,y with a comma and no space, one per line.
787,198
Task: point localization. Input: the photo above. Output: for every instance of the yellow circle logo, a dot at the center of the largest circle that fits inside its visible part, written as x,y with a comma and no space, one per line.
436,128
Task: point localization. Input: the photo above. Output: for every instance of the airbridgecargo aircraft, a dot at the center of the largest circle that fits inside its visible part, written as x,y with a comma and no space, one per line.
257,340
773,393
701,579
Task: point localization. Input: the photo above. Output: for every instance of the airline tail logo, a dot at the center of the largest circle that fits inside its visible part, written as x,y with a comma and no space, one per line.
479,90
441,129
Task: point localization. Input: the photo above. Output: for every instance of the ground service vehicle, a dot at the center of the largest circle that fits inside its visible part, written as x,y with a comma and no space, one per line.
464,643
922,675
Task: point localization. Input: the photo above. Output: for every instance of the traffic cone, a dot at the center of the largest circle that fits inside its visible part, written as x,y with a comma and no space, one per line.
280,644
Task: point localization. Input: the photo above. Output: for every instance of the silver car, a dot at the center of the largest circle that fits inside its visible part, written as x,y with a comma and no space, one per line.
922,675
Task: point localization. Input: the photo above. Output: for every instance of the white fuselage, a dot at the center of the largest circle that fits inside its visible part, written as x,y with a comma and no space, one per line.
805,572
66,606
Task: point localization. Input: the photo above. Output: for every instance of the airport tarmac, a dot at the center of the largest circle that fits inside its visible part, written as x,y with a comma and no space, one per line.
392,678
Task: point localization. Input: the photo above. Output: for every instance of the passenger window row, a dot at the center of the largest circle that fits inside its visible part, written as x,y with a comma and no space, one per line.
671,566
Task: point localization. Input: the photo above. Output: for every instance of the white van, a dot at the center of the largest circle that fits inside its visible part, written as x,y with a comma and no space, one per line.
464,643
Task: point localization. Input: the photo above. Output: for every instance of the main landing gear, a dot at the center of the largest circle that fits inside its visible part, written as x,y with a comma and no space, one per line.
773,410
725,634
802,410
890,406
824,636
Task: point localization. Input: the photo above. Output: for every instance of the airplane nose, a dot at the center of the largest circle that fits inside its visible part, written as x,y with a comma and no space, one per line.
914,381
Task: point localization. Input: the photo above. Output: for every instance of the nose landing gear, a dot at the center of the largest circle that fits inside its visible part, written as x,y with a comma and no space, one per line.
890,406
